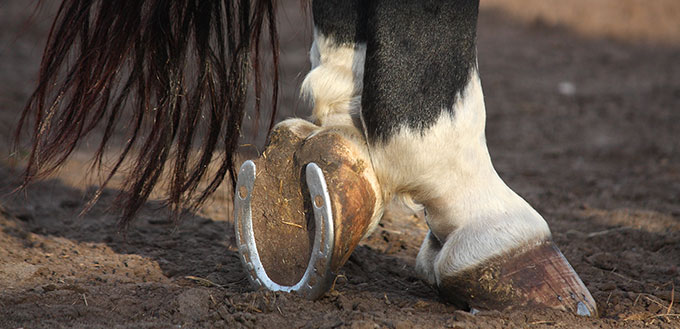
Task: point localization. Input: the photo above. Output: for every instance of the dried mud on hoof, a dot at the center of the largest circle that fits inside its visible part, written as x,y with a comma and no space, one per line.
280,224
282,209
533,276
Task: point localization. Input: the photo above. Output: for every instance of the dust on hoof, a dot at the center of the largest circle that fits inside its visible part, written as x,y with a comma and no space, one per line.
281,226
282,217
352,187
536,275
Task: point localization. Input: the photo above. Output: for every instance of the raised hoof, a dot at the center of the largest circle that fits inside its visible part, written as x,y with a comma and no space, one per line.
300,210
534,276
316,279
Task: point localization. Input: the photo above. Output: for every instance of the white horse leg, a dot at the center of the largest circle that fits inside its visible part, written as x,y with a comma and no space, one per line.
447,168
477,223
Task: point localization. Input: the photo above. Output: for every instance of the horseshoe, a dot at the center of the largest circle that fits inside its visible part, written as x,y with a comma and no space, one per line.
318,276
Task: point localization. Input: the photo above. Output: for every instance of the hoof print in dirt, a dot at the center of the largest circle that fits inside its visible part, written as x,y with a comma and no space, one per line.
301,209
533,276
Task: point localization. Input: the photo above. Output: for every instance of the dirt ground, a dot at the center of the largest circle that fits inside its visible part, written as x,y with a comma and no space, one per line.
587,129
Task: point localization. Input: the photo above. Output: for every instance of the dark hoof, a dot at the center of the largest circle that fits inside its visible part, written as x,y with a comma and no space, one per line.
534,276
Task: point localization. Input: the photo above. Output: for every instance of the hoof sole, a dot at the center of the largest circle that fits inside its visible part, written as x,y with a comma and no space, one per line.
317,277
301,209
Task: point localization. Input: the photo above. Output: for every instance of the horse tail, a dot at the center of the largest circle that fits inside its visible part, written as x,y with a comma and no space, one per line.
172,75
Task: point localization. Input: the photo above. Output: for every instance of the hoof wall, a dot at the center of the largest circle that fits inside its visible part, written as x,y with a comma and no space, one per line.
536,276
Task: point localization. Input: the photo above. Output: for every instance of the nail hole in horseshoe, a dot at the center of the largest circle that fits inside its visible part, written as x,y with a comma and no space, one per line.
312,281
318,201
242,192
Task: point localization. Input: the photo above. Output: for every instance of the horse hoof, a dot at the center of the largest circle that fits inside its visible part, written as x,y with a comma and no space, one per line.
317,277
534,276
300,210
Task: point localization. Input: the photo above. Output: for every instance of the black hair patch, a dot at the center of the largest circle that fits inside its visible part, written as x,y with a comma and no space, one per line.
418,60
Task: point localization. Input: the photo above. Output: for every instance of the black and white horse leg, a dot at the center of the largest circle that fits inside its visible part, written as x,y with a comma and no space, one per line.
425,116
335,82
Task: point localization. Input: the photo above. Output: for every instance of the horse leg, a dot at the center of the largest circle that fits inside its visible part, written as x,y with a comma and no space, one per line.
424,111
334,86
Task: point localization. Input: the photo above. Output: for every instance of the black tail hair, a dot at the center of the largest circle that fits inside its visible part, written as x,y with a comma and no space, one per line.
174,65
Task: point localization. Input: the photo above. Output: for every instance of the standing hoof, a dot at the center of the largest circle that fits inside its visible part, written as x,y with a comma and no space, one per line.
301,209
533,276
